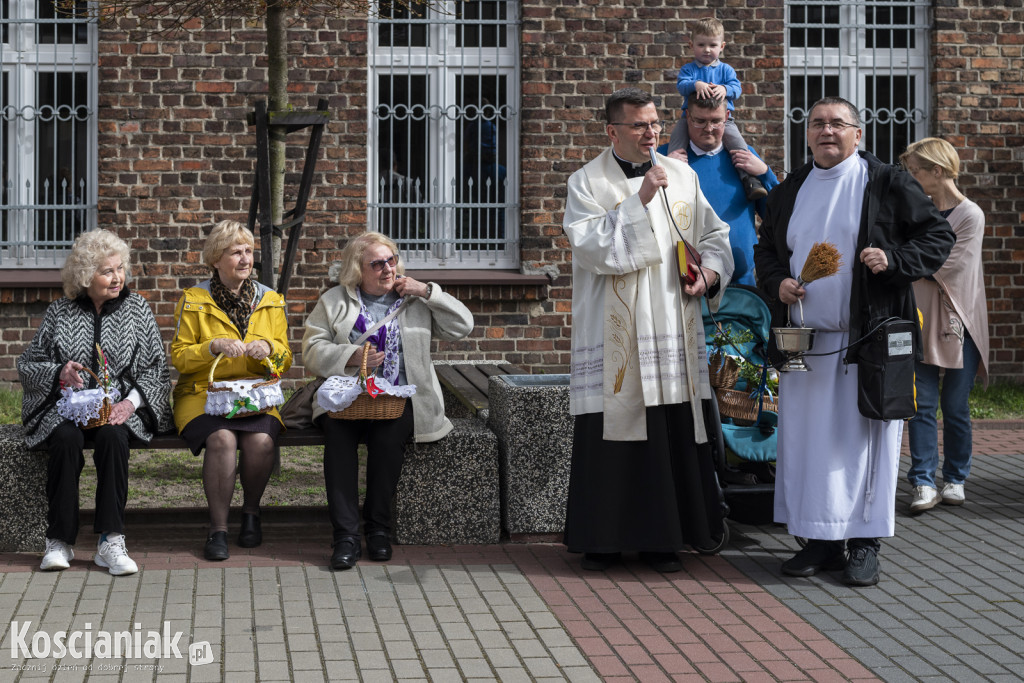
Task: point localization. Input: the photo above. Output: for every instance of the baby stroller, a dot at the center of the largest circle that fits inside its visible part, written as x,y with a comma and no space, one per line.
747,444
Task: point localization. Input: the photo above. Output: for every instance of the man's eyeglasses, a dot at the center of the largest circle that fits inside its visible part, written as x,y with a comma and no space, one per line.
836,126
707,124
379,264
641,127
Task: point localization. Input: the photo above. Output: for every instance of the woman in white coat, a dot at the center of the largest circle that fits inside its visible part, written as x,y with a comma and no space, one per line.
371,286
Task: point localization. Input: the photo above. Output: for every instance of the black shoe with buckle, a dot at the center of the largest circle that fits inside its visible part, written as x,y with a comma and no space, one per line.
814,557
666,563
216,548
346,553
862,566
378,546
753,188
599,562
251,534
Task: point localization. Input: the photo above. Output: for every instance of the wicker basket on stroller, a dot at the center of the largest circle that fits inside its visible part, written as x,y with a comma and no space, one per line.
367,407
241,397
739,406
723,371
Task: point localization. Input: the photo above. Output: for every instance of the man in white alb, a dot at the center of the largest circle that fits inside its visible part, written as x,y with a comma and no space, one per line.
837,470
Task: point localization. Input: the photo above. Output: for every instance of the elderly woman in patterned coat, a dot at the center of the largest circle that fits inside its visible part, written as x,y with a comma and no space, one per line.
98,308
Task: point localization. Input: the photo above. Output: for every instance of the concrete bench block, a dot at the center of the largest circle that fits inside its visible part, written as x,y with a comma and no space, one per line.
530,416
448,492
23,505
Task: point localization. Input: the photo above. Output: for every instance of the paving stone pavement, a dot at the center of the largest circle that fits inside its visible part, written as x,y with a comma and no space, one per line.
950,606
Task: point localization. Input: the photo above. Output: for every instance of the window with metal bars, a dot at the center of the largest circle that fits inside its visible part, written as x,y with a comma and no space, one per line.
444,127
874,53
47,130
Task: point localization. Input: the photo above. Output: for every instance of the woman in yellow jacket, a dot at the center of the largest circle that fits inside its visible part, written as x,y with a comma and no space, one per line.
232,315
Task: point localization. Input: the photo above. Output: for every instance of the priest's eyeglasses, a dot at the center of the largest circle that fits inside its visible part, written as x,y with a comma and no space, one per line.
836,126
642,127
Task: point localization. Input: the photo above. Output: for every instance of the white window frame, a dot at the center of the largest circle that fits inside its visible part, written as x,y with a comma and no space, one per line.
22,61
856,67
443,62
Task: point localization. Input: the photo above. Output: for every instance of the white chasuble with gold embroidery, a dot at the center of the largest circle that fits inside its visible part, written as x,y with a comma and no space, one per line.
637,339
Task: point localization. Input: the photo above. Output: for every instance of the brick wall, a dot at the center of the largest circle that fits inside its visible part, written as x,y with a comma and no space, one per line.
176,154
575,54
978,85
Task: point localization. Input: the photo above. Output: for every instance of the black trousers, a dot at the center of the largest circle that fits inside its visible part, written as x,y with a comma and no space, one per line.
110,456
385,447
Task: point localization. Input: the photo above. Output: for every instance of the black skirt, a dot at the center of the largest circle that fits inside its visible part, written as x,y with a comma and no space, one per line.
656,495
195,432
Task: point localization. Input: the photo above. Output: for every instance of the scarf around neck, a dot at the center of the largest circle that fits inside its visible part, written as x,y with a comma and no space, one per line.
238,306
387,337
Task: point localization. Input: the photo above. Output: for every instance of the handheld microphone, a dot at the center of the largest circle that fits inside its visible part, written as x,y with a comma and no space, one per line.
687,258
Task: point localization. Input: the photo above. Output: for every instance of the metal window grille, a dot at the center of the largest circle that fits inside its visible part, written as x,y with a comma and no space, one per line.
48,130
874,54
444,131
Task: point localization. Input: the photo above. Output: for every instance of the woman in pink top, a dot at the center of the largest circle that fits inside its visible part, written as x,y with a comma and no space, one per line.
955,334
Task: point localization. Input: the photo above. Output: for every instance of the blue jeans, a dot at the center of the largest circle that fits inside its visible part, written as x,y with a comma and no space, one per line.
956,421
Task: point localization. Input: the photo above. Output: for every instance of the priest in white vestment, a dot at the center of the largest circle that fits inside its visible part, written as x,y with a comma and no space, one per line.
836,470
642,476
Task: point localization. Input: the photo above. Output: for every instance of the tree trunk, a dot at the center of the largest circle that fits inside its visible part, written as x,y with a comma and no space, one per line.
277,77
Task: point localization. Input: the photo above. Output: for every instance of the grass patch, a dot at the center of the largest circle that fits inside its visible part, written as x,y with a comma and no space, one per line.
10,407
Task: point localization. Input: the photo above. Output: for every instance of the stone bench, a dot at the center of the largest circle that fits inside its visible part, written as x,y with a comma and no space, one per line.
448,492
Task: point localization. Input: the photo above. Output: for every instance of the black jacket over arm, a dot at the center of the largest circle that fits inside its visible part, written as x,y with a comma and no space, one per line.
897,217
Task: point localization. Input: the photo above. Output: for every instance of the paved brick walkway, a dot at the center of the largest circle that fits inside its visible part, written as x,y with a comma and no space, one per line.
948,607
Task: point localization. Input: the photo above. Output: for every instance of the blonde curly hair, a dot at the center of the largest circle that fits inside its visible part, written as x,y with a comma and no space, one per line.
225,235
349,271
87,255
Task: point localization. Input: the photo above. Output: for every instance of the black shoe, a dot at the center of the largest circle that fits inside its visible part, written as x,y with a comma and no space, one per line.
599,562
251,534
666,563
216,546
378,546
814,557
862,567
346,553
753,188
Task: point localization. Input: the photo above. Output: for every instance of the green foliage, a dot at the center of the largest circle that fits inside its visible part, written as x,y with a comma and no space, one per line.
751,374
725,337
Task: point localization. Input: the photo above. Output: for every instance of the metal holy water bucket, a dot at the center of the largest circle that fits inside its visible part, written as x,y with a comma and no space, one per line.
795,341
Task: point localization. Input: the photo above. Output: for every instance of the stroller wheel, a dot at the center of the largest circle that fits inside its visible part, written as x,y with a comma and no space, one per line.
717,544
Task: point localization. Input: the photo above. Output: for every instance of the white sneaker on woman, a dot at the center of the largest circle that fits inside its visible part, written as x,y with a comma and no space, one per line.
57,556
113,556
953,494
925,498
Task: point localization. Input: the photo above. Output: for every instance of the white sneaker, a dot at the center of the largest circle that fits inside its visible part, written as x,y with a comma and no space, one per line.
925,498
57,556
953,494
114,556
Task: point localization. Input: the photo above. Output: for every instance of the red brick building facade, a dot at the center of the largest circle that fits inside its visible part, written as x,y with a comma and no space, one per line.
175,153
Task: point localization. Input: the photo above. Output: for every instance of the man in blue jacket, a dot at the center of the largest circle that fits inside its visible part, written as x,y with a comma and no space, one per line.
720,181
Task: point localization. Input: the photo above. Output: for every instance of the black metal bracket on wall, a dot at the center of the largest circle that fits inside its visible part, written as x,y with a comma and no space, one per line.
282,122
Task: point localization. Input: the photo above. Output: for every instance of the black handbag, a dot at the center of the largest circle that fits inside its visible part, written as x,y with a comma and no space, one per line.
885,372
